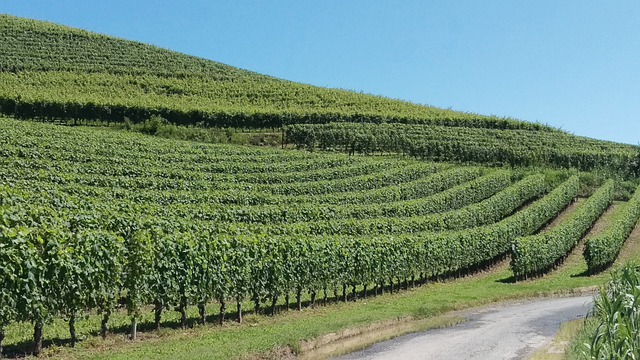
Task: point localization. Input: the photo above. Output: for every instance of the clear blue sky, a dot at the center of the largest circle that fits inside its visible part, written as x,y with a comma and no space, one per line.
574,64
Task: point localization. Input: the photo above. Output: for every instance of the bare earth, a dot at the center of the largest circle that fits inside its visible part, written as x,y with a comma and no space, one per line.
509,331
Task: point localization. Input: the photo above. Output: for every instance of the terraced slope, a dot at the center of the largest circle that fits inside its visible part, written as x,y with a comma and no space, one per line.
470,145
172,223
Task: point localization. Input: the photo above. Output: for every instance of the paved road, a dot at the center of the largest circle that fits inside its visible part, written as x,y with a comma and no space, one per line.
509,331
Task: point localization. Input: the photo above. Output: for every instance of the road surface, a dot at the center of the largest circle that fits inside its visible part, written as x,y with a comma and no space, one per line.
507,331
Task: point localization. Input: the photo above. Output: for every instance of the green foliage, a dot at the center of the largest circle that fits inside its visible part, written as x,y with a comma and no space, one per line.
616,310
450,252
138,253
164,285
67,74
12,248
40,284
91,219
172,268
602,250
105,262
153,125
521,147
536,254
418,218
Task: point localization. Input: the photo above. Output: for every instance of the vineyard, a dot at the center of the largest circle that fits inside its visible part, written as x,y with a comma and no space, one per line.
54,72
469,145
58,74
367,196
100,220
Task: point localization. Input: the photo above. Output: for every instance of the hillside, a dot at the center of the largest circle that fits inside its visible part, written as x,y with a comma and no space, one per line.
518,148
56,73
107,229
184,224
53,71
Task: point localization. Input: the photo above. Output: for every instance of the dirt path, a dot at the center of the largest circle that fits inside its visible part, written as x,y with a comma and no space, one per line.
508,331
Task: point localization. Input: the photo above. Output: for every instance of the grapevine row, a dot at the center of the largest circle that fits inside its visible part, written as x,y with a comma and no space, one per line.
603,249
512,147
426,186
177,179
536,254
476,214
70,270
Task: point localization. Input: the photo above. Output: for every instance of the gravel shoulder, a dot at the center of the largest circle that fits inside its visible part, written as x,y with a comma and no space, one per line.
505,331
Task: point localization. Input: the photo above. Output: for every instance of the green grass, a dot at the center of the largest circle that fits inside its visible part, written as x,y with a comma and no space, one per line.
576,349
562,343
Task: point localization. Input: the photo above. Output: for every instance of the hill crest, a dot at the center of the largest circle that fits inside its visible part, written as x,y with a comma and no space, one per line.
69,57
